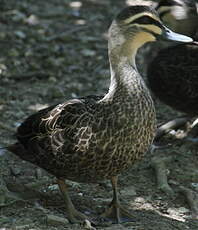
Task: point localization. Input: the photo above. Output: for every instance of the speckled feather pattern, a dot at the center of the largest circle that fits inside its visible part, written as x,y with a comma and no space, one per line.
88,139
94,138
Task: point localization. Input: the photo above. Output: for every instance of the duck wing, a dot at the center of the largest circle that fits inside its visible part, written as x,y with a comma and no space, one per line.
50,133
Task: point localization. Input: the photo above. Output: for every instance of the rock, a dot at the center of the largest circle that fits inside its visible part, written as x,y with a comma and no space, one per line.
32,20
87,225
56,220
53,187
20,34
88,53
195,186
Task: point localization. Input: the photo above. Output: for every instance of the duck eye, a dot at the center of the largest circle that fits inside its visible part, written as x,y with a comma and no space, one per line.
146,20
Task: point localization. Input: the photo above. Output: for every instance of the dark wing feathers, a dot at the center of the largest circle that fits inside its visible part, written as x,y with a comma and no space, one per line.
32,125
48,137
61,116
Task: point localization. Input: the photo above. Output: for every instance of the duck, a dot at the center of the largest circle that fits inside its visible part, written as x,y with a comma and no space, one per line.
179,15
175,80
96,138
172,74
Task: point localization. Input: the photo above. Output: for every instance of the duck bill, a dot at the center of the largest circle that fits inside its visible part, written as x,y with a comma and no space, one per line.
169,35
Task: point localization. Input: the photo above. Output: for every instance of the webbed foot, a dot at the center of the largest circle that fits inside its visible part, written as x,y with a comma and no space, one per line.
117,214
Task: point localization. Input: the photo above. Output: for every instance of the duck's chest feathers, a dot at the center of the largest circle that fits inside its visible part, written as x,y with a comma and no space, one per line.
122,125
118,135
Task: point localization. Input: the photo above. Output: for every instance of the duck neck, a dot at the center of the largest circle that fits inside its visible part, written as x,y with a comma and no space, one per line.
125,78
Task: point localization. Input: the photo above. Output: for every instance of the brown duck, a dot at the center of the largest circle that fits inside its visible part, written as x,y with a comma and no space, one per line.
95,138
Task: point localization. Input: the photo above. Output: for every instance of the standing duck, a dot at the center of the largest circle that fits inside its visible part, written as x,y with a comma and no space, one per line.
95,138
173,73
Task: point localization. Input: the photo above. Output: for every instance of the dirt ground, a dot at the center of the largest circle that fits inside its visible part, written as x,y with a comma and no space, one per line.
54,50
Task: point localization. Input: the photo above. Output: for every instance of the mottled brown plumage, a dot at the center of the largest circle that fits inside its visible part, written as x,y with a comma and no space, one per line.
94,138
78,139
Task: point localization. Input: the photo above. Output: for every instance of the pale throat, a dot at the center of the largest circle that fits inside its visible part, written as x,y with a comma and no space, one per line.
124,74
131,47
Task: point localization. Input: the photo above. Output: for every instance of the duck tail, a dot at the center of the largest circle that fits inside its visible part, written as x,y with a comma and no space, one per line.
14,148
17,149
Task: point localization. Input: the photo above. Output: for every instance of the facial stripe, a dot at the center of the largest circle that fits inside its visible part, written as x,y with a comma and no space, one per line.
146,20
152,28
149,22
131,19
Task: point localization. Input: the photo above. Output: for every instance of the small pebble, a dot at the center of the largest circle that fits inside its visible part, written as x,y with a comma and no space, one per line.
88,53
195,185
56,220
87,225
140,200
32,20
20,34
53,187
173,182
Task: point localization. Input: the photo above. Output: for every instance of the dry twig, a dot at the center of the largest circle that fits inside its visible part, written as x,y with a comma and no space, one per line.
176,123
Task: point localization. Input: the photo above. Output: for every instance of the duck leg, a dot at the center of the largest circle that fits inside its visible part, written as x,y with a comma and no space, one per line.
116,213
73,215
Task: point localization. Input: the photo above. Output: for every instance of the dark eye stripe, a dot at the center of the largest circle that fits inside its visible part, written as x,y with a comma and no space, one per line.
146,20
168,3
